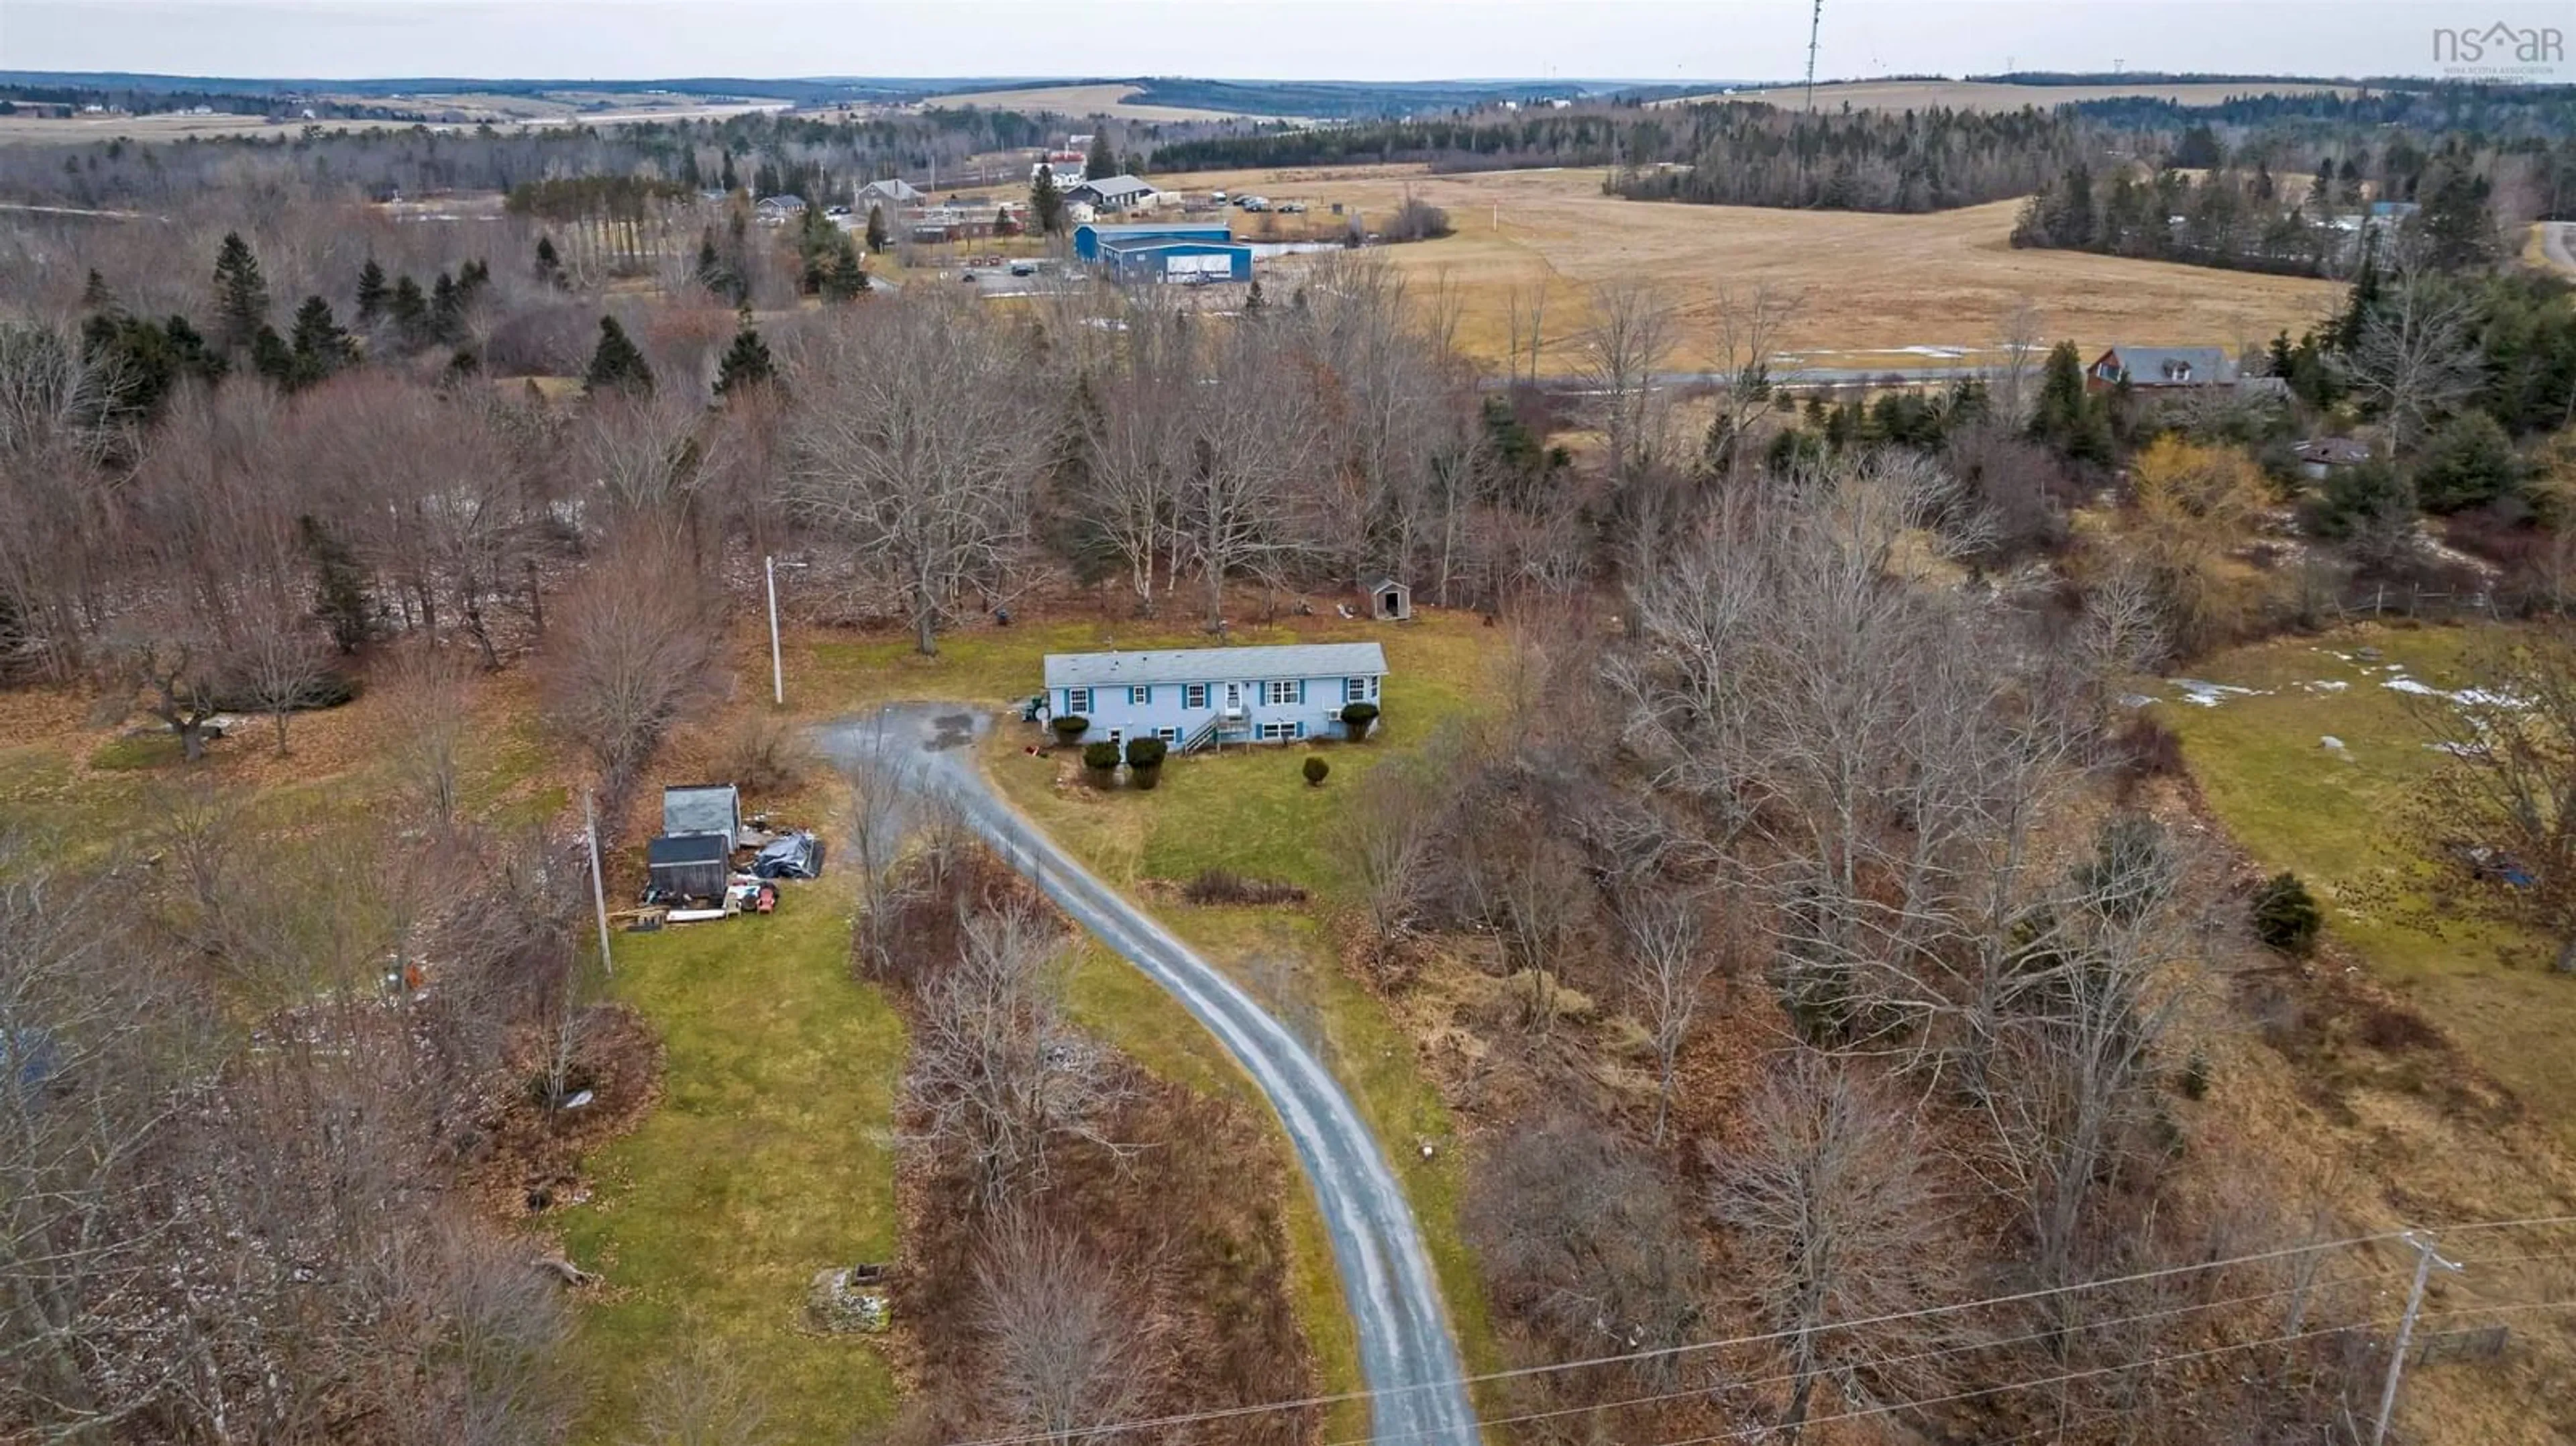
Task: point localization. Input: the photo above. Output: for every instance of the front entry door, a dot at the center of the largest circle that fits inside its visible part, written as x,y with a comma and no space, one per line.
1234,697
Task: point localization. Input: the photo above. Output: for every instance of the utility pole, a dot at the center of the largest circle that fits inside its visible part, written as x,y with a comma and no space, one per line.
777,671
1815,24
2425,1260
599,891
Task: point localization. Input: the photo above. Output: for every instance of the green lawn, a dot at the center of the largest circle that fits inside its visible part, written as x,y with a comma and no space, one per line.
770,1157
1251,811
2343,820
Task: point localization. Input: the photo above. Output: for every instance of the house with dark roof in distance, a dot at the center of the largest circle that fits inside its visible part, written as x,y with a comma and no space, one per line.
1195,698
1111,194
890,194
2161,368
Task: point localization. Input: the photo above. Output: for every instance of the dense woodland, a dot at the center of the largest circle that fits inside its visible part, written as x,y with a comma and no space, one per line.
1803,748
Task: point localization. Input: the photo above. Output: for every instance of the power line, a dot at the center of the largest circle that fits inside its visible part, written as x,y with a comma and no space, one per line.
1749,1432
1660,1352
1957,1350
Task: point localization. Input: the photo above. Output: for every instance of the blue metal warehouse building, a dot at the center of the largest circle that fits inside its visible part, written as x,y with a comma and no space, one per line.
1089,236
1182,261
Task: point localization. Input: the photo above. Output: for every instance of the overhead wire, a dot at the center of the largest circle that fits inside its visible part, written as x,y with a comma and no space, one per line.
1964,1348
1189,1418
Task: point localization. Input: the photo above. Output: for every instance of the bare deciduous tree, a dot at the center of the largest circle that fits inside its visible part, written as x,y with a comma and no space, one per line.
1837,1225
2417,357
1586,1241
1668,965
918,445
1005,1077
630,654
1067,1350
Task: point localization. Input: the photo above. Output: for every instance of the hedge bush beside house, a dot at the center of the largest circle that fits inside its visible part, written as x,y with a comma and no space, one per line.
1145,761
1357,717
1070,727
1100,760
1315,770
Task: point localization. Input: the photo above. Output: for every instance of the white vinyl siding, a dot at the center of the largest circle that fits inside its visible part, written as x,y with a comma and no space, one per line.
1194,695
1077,701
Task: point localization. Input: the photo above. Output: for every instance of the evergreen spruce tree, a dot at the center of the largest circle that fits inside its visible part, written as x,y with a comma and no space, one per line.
189,347
549,263
848,276
271,357
339,585
711,268
409,310
372,293
446,310
2066,417
241,296
726,178
1101,162
1046,203
877,234
319,346
615,364
471,279
746,363
1253,300
95,295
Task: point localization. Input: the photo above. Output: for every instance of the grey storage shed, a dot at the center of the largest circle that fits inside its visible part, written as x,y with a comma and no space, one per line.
703,808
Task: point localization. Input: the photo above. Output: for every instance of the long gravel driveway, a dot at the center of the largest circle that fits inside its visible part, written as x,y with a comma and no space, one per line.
1407,1357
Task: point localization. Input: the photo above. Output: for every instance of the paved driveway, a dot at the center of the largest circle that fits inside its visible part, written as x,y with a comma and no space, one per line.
1406,1353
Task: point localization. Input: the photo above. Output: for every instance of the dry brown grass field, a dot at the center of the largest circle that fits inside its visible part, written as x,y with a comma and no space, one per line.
1876,290
1990,95
502,112
1081,100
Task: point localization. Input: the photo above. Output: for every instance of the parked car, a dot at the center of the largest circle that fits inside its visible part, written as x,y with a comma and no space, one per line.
1292,208
1024,268
1256,203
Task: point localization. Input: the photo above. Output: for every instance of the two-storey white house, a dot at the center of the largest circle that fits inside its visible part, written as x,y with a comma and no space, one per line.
1196,697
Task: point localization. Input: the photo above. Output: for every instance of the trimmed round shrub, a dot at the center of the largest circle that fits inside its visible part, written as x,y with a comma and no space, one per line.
1100,758
1145,761
2285,915
1357,717
1069,727
1315,770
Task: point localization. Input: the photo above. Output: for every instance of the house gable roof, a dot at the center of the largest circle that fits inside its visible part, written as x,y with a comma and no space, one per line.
1112,187
1213,665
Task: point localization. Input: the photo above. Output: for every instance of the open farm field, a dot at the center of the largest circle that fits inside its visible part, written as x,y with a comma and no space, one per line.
2342,816
1080,100
1877,290
504,113
1993,95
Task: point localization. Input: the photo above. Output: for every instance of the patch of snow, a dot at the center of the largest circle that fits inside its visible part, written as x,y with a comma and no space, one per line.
2208,694
2135,700
2331,743
1952,353
2404,684
2457,750
2325,685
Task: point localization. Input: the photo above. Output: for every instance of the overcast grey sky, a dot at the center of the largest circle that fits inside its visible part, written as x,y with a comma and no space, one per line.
1276,39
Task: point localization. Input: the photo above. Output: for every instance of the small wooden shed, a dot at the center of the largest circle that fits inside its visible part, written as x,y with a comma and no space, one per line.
1389,601
689,866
